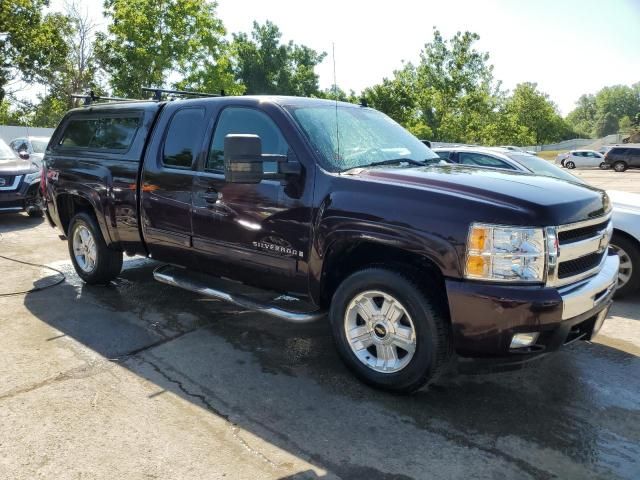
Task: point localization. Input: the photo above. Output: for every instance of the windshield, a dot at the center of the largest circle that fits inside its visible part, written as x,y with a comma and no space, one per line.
5,152
539,166
39,146
361,137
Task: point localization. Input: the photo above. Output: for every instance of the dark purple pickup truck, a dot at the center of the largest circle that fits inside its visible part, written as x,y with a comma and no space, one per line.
339,212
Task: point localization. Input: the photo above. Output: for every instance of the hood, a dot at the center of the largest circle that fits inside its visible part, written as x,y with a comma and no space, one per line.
540,199
15,166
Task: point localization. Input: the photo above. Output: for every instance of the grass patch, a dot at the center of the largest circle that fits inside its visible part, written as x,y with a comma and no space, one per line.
550,154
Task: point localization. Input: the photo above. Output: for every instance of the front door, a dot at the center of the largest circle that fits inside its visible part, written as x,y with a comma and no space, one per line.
257,233
167,180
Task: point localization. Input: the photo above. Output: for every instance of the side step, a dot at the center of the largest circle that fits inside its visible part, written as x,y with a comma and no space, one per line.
223,290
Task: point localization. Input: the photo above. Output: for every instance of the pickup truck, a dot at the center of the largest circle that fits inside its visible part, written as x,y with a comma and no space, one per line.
341,212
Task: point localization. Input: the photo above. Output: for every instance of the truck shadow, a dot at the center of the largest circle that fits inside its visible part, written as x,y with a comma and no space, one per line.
12,222
571,414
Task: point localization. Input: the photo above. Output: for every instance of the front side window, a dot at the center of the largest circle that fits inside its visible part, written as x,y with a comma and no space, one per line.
102,133
347,137
245,121
184,138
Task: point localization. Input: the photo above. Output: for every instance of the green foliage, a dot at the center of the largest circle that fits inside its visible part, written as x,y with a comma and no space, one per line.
602,112
33,48
266,66
147,40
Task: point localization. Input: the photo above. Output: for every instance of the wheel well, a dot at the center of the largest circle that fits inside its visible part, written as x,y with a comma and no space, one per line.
628,236
70,205
342,261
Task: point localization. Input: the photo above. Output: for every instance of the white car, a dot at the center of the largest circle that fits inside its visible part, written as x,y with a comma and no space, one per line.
583,159
518,149
626,239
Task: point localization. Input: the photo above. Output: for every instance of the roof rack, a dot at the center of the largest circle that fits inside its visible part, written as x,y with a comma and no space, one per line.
159,92
91,97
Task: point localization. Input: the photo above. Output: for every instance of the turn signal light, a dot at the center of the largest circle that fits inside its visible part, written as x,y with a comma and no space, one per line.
477,264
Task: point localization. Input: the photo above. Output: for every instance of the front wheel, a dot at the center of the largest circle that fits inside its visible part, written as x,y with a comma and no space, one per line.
603,166
92,259
388,332
570,165
629,272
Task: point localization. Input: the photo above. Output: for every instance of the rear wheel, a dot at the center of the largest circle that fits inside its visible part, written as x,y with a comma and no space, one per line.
619,166
603,166
570,165
92,259
388,332
629,273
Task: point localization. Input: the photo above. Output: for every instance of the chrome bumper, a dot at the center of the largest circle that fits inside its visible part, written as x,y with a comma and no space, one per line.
587,294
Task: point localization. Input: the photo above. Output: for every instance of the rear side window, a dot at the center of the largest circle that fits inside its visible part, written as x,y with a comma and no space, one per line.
468,158
619,151
102,133
184,138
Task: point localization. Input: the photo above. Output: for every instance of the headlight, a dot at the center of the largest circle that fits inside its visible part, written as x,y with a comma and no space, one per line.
505,254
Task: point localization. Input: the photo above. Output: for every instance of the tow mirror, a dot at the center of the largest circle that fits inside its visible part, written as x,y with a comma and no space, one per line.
243,158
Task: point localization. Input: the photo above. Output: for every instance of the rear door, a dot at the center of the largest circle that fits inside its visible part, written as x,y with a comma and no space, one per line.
634,157
167,179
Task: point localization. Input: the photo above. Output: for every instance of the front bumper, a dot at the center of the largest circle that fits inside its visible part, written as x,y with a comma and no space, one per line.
17,196
485,316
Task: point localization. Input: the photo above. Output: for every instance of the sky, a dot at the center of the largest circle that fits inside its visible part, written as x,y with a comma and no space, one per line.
568,47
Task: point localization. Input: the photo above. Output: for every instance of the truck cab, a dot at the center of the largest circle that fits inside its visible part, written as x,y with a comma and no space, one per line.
340,209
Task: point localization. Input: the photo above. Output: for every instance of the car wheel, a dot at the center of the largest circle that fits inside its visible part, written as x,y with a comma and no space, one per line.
629,273
604,166
388,332
92,259
562,163
619,166
570,165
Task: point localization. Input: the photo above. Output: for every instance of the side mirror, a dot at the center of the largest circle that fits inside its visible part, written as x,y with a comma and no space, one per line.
23,154
243,158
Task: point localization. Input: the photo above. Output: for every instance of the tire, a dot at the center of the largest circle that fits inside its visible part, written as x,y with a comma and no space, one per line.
415,313
620,167
603,166
35,212
562,163
570,165
98,265
629,274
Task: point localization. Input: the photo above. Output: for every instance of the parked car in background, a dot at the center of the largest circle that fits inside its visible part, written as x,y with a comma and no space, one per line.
518,149
622,157
19,183
584,159
626,239
626,206
34,147
501,158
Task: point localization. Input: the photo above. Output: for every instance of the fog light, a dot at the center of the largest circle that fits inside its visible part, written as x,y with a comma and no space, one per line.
522,340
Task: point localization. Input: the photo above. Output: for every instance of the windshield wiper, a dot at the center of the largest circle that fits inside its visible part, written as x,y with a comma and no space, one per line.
393,161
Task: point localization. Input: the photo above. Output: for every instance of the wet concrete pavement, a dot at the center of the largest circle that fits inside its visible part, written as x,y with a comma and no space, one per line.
142,380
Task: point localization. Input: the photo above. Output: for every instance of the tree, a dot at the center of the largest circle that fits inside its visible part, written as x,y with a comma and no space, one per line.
78,74
32,46
583,117
529,108
266,66
606,124
450,95
147,41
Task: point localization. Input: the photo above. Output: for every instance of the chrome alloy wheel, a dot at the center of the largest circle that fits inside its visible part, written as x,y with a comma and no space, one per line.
626,266
380,332
85,250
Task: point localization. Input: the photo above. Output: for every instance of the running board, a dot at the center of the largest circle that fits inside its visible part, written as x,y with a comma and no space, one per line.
219,288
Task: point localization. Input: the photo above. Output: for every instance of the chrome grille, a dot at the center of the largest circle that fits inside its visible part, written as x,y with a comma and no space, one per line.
582,248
